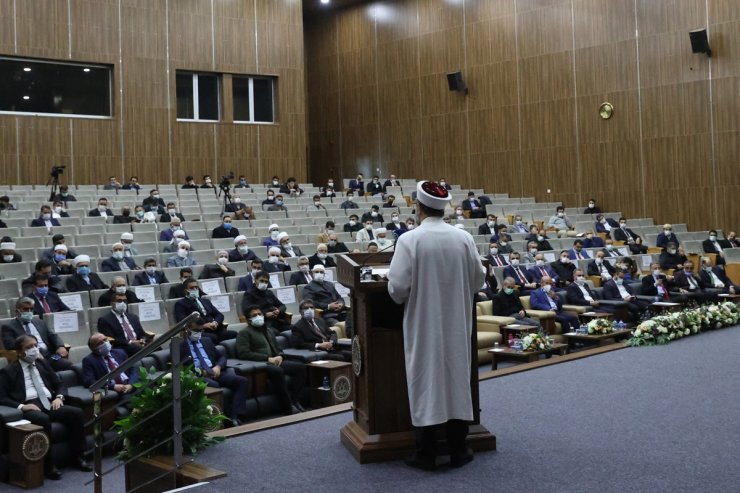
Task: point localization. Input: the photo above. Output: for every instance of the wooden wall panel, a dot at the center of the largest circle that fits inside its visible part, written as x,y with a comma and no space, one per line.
7,27
42,28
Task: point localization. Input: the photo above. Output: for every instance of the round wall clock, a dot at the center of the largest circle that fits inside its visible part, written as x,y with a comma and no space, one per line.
606,110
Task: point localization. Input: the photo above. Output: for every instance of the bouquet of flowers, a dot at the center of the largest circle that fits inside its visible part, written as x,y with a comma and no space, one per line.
600,326
536,341
663,329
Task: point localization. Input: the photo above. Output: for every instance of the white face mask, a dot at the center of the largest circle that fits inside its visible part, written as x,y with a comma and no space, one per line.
546,288
46,217
150,270
350,198
515,261
533,251
182,252
540,238
32,354
118,255
262,286
8,258
288,246
352,223
257,320
120,307
58,210
591,205
273,259
580,280
610,247
656,272
102,208
598,260
237,200
120,289
274,234
322,256
410,226
395,219
223,260
368,227
243,249
459,212
491,224
318,276
539,263
374,214
565,260
712,237
494,251
303,268
195,336
308,313
172,211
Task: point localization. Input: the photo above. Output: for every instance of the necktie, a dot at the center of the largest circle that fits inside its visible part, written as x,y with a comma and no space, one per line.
715,280
39,386
201,359
44,304
28,329
579,256
152,280
316,330
520,275
112,365
498,261
130,335
544,272
200,307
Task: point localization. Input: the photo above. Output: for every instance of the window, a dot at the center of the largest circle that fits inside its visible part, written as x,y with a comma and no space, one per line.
254,99
53,88
197,96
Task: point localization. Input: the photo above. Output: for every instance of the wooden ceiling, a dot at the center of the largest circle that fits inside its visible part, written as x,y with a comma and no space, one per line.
315,7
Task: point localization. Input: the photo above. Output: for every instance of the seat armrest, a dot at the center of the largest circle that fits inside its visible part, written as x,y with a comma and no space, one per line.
9,414
541,314
574,308
304,355
614,303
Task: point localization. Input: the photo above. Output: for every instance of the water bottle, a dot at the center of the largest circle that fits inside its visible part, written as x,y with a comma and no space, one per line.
583,329
325,383
620,324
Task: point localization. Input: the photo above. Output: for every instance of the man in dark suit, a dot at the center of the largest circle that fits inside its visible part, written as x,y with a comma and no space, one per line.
31,386
325,296
600,267
690,285
287,249
592,241
124,328
133,184
258,343
241,251
102,360
150,275
45,300
321,257
577,252
219,269
671,257
303,275
312,333
83,279
473,205
390,182
605,224
357,185
541,269
241,211
118,261
42,268
50,344
259,295
660,285
564,268
373,215
118,286
247,281
45,218
275,262
56,240
153,203
731,240
521,276
714,245
519,226
666,236
64,195
210,363
615,289
178,290
579,293
495,258
125,217
226,229
170,213
168,233
545,298
374,187
101,210
336,246
715,277
211,321
506,303
633,240
487,228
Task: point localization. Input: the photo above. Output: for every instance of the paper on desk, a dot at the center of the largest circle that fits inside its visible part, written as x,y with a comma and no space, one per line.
320,362
646,261
221,303
286,295
65,322
149,311
511,326
210,287
20,422
589,313
73,301
329,275
145,293
550,257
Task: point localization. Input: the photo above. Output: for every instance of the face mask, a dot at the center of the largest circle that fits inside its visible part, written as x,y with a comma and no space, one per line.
223,260
494,251
58,210
491,224
546,288
59,257
195,336
352,223
120,290
518,222
322,256
120,306
539,263
31,354
83,271
104,349
368,227
270,198
140,214
262,286
127,246
176,240
591,205
459,212
330,184
279,202
317,203
150,270
672,251
533,251
65,194
243,249
515,261
540,238
561,214
656,272
622,225
598,260
580,280
102,208
208,181
350,198
508,290
713,238
318,276
194,294
374,214
182,253
667,231
275,182
610,247
395,219
329,231
303,268
175,227
503,243
332,243
117,255
564,260
442,183
26,317
242,182
619,281
43,291
172,212
274,234
46,217
8,258
308,313
257,320
228,226
273,259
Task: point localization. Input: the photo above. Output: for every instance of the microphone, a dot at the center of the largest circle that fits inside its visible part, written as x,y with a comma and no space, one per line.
363,265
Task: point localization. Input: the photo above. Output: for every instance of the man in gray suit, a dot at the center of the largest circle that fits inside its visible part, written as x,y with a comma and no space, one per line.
50,344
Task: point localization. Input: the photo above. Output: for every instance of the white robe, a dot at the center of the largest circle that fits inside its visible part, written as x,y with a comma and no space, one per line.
436,270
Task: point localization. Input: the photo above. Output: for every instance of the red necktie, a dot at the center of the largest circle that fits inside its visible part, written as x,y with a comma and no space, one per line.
47,309
127,329
498,261
112,365
519,274
544,272
317,331
579,256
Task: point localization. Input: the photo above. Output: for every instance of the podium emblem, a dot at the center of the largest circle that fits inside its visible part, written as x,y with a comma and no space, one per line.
342,388
35,446
356,356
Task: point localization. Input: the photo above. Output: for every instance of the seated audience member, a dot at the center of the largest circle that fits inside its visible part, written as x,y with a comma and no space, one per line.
577,252
291,188
659,285
113,184
242,182
366,234
125,217
247,280
390,203
616,289
713,245
150,276
44,404
276,181
272,239
8,255
219,269
715,277
123,328
317,205
84,279
225,229
564,268
488,290
127,240
207,183
353,225
57,210
410,224
472,204
495,257
325,296
328,229
690,285
211,321
487,228
731,240
605,224
45,218
666,236
610,250
154,203
390,182
183,257
61,264
374,187
357,186
133,184
328,192
561,222
372,247
671,257
322,257
64,195
42,268
171,213
241,211
519,226
540,237
633,240
259,295
189,183
458,215
546,298
210,364
175,225
592,241
349,202
241,251
600,267
287,249
631,271
313,333
50,345
118,261
303,275
177,238
395,222
336,246
381,238
520,275
178,290
101,210
500,231
58,239
278,205
592,207
5,204
579,293
443,183
529,256
104,359
275,261
118,286
2,224
257,343
541,269
269,199
45,300
373,215
506,303
140,216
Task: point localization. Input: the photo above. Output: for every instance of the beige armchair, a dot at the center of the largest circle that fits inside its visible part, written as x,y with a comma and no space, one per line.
546,318
489,329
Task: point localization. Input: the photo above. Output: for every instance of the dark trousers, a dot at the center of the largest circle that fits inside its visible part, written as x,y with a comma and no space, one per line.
456,431
238,386
339,355
58,364
220,334
72,419
277,376
568,321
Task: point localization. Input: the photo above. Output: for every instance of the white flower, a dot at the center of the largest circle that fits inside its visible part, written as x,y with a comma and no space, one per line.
687,332
638,332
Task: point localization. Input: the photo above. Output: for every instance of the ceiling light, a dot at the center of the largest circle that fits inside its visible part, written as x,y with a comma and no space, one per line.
324,2
26,69
26,98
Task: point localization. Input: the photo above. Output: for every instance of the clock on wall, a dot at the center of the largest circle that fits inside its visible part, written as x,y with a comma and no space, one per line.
606,110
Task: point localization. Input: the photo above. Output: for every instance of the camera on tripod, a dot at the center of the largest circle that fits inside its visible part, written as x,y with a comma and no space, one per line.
225,183
57,170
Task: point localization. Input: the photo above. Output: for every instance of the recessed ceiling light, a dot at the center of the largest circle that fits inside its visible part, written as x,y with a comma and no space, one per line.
26,98
26,69
85,69
325,2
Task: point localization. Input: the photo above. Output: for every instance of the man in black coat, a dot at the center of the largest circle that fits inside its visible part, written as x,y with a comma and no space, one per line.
153,203
336,246
171,213
325,296
633,240
321,257
259,295
45,300
118,286
47,405
45,218
124,328
211,321
83,279
600,267
303,275
226,229
615,289
714,245
579,293
715,277
564,268
101,210
507,304
102,360
312,333
178,290
219,269
241,251
150,275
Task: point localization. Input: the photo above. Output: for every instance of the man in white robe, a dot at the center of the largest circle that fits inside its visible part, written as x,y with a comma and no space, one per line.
436,271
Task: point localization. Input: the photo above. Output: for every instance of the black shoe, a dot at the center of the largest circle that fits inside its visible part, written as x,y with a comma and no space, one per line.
459,460
298,406
53,474
423,463
83,465
235,421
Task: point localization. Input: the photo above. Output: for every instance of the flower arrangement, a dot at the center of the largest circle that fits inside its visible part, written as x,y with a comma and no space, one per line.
600,326
151,422
536,341
663,329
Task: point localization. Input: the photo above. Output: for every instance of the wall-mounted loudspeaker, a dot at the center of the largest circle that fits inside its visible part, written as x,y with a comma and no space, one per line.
700,42
456,83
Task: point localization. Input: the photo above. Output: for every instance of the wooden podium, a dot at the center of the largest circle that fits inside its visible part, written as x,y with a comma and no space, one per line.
381,427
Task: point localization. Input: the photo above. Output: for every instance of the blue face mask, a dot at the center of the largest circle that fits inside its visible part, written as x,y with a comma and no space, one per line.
228,226
59,257
242,182
42,291
83,271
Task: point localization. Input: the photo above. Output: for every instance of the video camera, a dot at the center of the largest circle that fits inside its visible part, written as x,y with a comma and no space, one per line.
225,183
57,170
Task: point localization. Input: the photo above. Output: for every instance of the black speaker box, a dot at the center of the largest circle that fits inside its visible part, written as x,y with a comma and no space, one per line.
699,41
